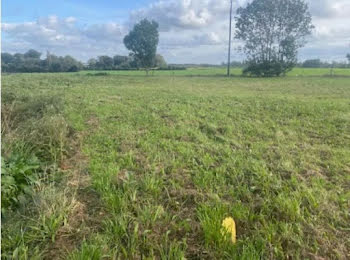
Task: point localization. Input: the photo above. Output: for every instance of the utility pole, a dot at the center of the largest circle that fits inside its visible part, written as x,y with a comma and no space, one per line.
229,43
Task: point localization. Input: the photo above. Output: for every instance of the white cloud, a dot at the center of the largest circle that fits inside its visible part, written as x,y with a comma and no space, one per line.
329,8
178,14
64,36
104,32
190,31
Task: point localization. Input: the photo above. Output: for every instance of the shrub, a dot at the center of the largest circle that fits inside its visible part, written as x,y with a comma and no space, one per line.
267,68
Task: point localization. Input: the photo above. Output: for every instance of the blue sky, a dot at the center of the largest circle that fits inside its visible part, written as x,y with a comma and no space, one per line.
85,10
191,31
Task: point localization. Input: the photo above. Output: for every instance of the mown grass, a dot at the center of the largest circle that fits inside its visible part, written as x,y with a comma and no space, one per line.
170,157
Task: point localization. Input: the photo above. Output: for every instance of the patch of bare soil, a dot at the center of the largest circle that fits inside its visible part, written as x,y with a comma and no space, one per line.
93,122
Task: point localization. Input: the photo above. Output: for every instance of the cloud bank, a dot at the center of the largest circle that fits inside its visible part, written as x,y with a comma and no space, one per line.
191,31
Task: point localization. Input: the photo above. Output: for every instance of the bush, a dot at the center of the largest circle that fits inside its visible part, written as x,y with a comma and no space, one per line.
267,69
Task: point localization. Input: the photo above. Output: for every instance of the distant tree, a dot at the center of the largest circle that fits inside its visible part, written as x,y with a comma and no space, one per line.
62,64
18,58
339,64
315,63
73,68
91,64
31,65
142,41
272,30
6,58
133,62
17,64
55,64
108,63
32,54
160,62
118,60
31,62
6,62
70,64
348,57
234,64
105,62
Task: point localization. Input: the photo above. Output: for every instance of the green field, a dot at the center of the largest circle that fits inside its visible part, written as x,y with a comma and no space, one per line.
150,166
297,72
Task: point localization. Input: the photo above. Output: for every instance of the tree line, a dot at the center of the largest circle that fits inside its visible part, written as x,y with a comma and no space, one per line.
119,62
142,42
272,31
317,63
31,61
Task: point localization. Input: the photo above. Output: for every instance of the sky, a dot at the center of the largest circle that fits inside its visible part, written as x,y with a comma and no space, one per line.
191,31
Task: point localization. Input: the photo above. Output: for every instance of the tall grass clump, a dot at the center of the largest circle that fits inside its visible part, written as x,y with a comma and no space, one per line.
34,139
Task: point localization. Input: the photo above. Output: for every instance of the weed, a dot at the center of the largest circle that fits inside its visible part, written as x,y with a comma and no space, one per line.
18,173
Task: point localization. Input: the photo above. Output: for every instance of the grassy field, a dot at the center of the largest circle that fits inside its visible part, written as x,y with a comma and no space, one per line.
152,165
297,72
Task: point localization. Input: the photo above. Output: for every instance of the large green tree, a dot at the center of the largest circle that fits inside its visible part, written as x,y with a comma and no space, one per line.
142,41
272,32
